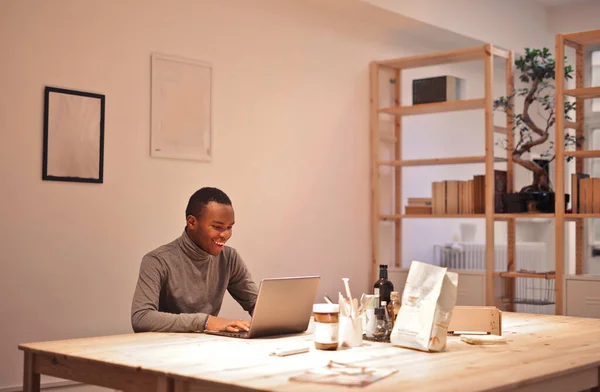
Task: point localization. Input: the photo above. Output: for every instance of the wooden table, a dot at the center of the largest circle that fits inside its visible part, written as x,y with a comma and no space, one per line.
544,353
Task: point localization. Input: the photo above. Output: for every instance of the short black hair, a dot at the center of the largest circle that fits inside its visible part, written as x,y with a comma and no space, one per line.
202,197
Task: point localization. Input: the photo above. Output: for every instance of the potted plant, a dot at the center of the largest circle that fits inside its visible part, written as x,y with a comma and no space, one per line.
537,71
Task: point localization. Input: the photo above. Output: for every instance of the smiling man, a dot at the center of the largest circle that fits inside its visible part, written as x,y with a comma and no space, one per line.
181,285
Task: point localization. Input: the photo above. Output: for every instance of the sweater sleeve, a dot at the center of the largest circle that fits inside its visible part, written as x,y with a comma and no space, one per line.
241,286
145,316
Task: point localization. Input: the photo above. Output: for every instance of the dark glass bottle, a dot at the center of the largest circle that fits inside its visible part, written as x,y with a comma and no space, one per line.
383,287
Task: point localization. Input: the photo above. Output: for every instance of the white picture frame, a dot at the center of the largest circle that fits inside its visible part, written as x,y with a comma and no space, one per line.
181,108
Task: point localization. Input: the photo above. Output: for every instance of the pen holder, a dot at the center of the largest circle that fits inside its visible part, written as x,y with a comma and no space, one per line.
350,332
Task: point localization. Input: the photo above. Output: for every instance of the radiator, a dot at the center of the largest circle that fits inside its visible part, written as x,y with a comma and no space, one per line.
471,255
532,295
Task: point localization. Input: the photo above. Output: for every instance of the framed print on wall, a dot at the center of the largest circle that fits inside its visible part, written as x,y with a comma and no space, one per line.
181,108
73,136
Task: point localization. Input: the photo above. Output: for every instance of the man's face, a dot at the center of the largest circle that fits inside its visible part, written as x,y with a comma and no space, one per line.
212,228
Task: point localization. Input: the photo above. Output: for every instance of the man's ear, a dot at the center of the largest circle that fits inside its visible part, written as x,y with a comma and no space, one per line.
191,222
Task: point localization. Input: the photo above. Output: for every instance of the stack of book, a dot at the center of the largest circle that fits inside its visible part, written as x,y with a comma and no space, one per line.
585,194
418,206
454,197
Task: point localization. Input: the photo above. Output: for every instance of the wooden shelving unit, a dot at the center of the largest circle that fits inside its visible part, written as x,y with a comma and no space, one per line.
580,283
577,41
485,53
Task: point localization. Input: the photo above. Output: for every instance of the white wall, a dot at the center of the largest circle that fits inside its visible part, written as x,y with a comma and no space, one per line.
291,148
573,18
512,24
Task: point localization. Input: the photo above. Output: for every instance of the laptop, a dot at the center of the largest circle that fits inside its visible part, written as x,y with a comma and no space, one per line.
283,306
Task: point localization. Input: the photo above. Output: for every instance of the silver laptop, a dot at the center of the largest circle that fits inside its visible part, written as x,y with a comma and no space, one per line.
283,306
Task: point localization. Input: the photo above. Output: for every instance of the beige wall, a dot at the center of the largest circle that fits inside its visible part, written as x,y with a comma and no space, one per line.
291,148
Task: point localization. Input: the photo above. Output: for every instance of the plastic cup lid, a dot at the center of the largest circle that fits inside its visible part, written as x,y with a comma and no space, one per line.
326,308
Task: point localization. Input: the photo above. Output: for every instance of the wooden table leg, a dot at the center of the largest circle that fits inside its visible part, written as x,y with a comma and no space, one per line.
180,386
164,384
31,379
597,387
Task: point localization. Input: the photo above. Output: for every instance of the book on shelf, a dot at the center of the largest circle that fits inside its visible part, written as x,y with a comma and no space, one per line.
578,204
418,210
419,201
479,193
452,196
595,195
467,197
585,194
419,206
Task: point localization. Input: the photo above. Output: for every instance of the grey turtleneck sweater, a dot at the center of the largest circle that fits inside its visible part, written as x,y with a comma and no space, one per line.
180,285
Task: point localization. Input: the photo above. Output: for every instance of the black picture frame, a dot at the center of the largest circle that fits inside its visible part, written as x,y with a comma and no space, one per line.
73,148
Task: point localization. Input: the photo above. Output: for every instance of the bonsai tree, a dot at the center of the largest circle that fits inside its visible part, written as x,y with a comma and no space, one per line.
537,69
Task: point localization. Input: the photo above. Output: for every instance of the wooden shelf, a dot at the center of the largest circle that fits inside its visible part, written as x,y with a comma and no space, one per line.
505,54
584,92
439,161
503,130
497,217
583,154
393,139
581,216
438,107
523,215
570,124
424,60
538,275
388,218
590,37
419,216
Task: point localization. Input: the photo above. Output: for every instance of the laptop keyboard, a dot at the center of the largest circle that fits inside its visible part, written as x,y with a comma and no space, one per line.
240,334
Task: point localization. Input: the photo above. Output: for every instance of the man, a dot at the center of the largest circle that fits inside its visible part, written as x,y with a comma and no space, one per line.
181,285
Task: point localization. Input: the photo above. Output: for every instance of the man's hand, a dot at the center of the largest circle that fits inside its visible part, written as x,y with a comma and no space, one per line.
223,324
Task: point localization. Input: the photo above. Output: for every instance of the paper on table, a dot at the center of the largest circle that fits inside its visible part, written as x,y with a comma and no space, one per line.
337,373
483,339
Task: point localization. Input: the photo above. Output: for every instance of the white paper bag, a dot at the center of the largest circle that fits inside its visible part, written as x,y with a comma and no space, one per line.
427,302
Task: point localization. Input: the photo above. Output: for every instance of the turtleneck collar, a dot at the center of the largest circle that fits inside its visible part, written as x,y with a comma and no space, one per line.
193,251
